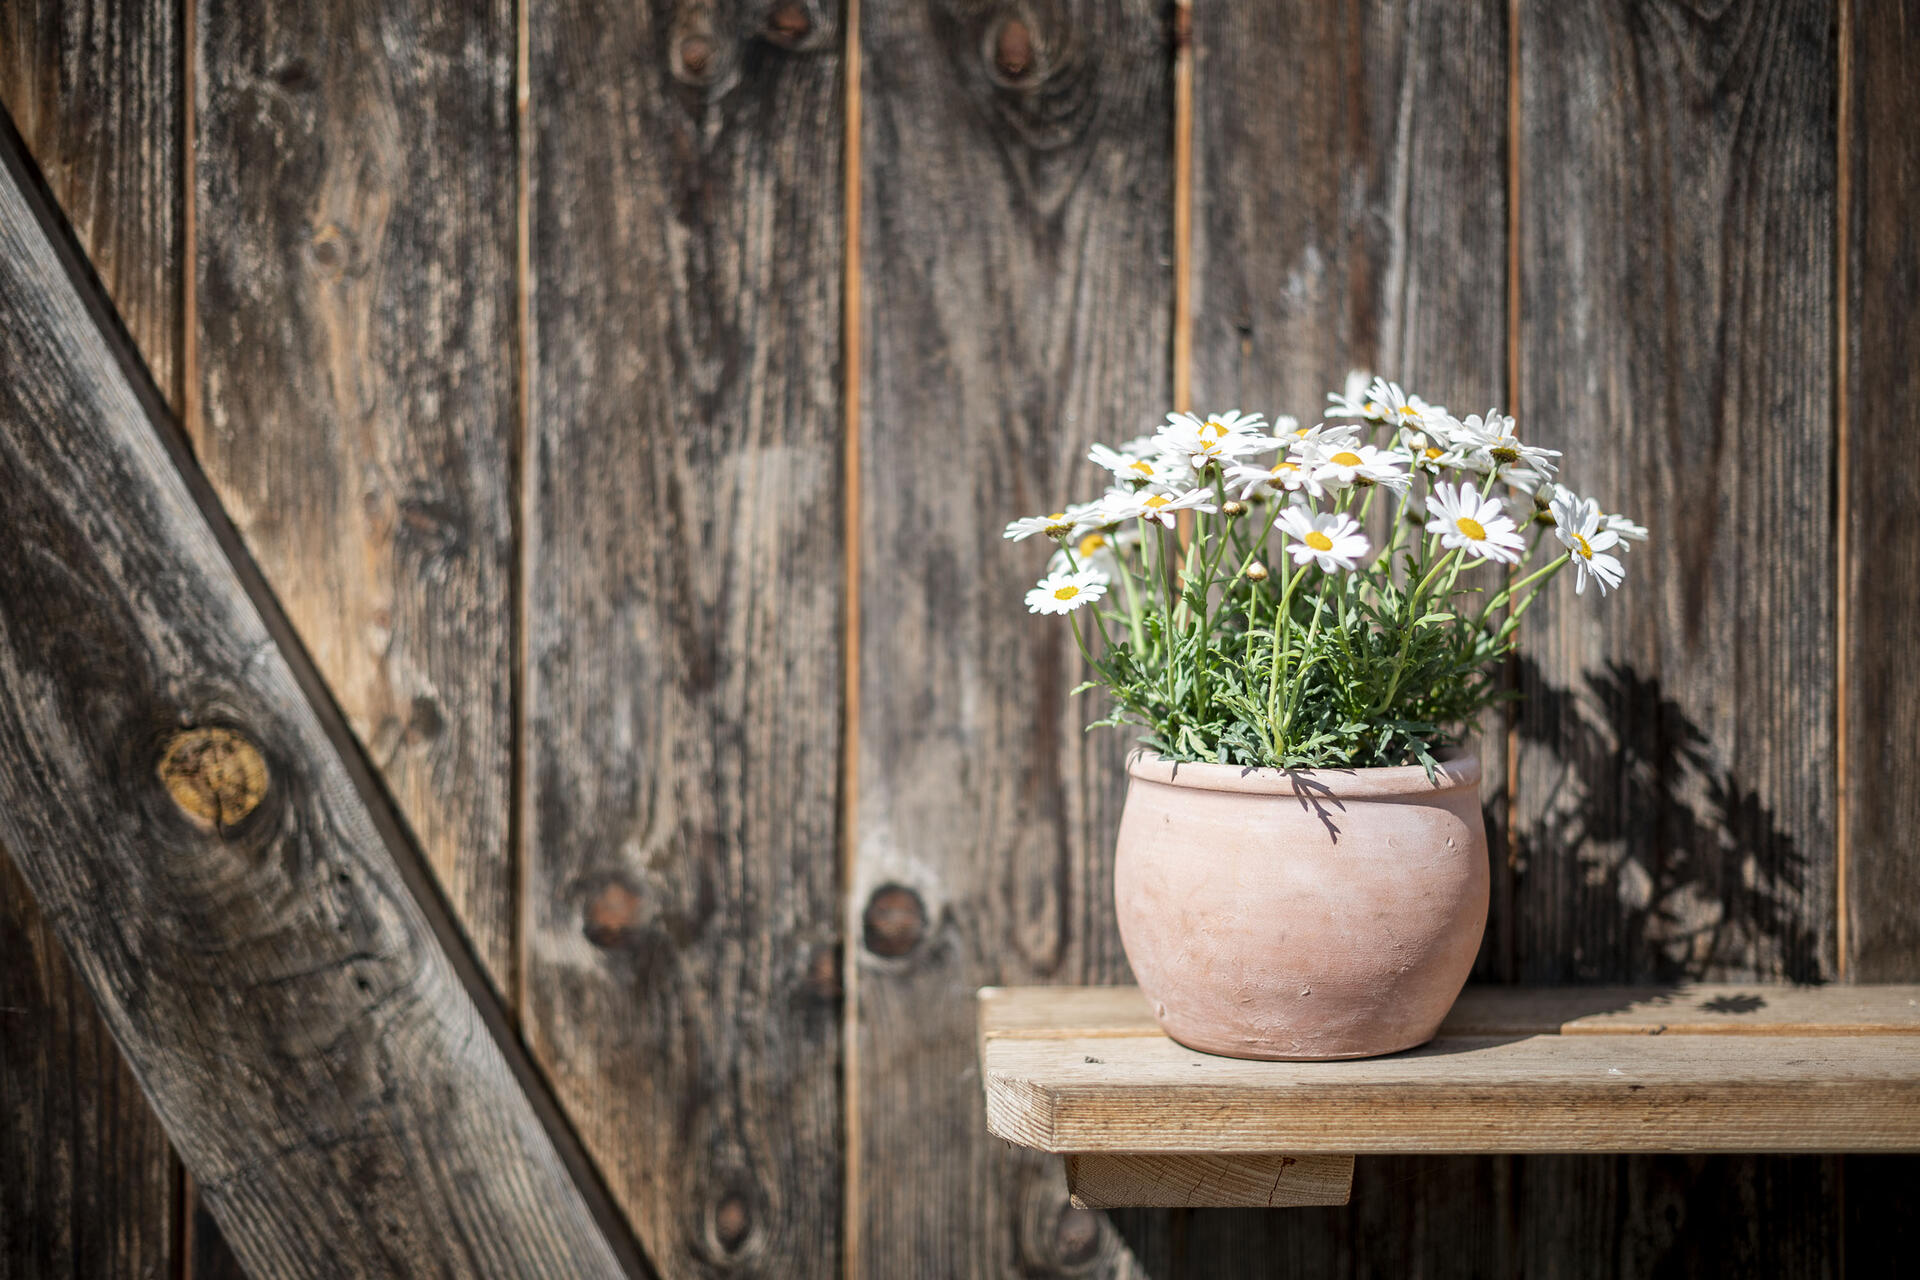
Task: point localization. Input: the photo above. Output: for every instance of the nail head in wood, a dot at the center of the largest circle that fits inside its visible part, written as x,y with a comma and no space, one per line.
895,921
731,1221
1013,50
611,914
788,25
215,776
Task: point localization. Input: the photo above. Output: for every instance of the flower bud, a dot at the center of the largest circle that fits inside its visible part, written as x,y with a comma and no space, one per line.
1256,572
1230,509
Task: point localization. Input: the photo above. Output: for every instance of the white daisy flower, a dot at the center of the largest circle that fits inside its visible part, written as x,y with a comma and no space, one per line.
1578,526
1057,525
1065,592
1153,503
1091,550
1489,445
1142,468
1626,530
1219,439
1322,433
1341,465
1382,401
1289,475
1468,522
1331,540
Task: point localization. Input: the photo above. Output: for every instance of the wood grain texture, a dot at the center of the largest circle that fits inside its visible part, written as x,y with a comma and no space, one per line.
94,89
1882,351
1102,1181
1545,1093
1692,1008
355,300
1675,799
1350,211
684,568
1015,255
284,1002
86,1177
1676,781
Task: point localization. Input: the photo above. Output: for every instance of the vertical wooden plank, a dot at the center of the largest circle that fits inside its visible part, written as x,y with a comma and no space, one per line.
354,257
1880,492
1350,191
1674,814
86,1176
685,567
1676,805
89,1182
1015,264
94,87
1882,783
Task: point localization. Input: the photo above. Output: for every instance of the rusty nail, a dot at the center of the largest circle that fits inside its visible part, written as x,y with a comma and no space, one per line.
610,913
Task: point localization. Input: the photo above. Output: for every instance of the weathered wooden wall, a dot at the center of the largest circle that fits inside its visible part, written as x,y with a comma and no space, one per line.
623,400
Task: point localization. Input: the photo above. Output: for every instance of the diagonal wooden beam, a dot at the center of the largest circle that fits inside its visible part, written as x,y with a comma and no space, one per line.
188,809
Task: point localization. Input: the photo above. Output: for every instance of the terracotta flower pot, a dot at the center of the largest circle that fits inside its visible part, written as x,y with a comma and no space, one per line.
1301,914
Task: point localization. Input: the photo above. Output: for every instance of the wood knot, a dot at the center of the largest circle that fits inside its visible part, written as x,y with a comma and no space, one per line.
215,776
610,915
732,1221
1013,51
788,25
1076,1236
894,922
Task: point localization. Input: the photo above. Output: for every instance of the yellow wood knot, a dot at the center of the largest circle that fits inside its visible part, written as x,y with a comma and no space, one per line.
216,776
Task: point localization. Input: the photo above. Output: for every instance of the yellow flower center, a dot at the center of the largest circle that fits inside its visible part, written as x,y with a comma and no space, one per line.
1302,432
1091,543
1431,452
1278,467
1065,593
1318,541
1158,501
1057,517
1580,545
1408,411
1219,432
1505,455
1373,408
1144,467
1472,528
1346,458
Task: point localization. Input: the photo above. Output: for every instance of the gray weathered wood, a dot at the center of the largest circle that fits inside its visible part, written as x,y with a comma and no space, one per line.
353,394
95,90
1015,246
684,565
1350,211
1675,801
86,1177
1880,152
1882,496
182,812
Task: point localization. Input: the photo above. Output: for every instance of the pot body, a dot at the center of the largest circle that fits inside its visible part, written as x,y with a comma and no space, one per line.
1301,914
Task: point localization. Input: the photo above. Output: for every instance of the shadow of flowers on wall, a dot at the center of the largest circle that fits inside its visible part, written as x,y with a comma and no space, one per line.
1641,855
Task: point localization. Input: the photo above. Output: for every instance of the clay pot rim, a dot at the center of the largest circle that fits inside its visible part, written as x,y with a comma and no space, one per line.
1459,768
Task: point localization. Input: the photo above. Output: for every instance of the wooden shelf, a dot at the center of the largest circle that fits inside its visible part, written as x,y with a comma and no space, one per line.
1086,1072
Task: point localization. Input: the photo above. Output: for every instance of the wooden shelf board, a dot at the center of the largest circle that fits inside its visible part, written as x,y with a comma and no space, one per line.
1682,1069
